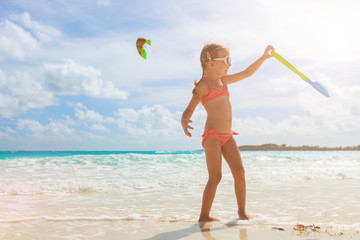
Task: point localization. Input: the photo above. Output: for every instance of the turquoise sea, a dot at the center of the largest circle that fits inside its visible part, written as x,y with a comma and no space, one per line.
283,188
37,154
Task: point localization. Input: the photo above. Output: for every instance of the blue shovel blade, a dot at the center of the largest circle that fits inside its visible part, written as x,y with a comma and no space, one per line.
319,87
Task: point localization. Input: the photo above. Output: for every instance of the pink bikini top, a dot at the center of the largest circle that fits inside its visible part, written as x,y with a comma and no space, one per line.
214,92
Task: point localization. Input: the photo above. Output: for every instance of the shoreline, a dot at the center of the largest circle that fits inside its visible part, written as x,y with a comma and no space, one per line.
135,229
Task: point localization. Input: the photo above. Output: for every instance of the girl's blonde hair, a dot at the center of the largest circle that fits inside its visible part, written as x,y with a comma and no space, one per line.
209,52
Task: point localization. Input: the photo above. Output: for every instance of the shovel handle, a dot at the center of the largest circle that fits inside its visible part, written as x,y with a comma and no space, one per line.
287,64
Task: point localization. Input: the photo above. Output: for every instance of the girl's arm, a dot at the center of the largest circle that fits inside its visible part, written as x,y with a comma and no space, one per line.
199,92
251,69
185,119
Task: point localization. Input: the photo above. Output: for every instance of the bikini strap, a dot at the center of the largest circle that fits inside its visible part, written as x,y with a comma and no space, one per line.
207,81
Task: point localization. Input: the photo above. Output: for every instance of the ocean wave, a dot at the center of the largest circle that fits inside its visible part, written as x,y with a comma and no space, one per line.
139,171
25,189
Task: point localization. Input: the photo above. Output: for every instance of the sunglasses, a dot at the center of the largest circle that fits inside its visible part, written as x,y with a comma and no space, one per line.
227,60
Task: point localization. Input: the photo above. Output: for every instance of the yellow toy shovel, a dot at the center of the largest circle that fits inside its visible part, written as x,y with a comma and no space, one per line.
317,85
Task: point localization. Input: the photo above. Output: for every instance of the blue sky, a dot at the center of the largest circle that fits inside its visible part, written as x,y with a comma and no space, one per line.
71,77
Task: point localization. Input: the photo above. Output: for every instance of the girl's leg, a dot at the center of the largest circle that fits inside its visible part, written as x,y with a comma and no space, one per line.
232,156
212,149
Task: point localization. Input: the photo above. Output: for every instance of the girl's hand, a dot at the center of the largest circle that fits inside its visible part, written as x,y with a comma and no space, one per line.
186,126
268,49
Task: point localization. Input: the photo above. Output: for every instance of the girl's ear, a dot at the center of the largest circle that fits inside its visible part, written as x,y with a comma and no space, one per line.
210,63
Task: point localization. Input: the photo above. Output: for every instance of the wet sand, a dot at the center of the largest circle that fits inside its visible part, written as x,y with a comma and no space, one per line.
135,229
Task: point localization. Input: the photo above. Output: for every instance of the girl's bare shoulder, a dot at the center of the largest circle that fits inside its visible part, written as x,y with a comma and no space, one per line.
201,89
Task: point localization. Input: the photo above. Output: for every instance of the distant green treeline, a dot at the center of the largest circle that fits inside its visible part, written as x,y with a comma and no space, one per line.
283,147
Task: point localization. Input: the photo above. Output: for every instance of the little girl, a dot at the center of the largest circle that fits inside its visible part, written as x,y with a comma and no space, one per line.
218,139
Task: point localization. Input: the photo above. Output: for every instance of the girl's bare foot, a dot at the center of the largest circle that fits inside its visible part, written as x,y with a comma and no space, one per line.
243,216
208,219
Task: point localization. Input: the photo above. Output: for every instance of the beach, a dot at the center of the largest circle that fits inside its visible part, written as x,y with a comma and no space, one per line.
160,230
157,195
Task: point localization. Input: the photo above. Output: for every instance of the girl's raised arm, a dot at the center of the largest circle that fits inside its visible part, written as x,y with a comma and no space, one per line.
251,69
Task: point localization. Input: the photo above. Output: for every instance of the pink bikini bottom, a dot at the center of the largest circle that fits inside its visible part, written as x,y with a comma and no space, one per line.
223,137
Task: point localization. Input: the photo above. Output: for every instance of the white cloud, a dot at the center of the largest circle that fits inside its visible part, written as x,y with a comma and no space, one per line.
155,120
31,125
43,33
21,36
71,78
54,129
20,93
6,131
128,114
15,42
84,114
98,127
